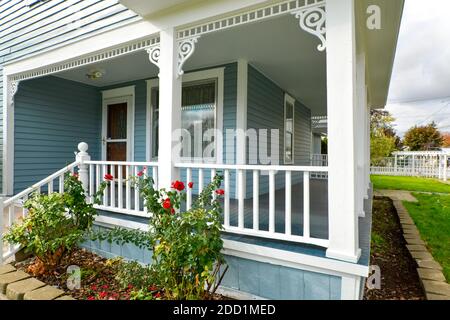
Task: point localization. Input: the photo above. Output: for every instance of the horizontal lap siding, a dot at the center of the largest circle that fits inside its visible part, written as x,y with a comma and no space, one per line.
52,116
265,110
26,31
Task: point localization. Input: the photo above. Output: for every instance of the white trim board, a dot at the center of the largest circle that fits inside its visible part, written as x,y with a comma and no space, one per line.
214,73
293,259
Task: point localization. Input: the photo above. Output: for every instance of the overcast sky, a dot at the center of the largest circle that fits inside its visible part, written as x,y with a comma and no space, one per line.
420,87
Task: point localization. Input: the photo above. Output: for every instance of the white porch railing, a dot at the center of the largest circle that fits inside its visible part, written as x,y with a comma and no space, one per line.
319,160
120,195
255,170
11,210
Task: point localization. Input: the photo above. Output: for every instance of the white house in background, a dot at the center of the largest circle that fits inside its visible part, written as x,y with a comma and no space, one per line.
122,76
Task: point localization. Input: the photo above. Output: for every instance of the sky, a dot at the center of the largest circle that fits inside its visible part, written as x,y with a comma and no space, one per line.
420,85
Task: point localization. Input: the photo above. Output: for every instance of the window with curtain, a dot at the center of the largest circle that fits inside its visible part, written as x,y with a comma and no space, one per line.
197,117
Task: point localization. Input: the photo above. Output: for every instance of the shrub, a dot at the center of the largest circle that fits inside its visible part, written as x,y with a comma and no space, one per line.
186,245
55,224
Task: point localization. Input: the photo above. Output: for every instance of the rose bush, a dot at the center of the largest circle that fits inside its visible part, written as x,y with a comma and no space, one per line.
186,245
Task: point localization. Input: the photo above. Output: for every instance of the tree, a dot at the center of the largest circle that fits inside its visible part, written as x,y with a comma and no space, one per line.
384,139
423,138
446,140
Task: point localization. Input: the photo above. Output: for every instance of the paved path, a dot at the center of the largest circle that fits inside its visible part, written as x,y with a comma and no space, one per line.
396,195
18,285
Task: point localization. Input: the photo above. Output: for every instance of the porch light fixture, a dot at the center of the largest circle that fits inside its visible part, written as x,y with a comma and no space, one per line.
95,74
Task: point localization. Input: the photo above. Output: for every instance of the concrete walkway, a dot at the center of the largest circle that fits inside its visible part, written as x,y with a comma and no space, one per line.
396,195
18,285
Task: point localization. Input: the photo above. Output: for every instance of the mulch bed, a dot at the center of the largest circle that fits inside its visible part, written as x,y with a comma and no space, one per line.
98,280
399,279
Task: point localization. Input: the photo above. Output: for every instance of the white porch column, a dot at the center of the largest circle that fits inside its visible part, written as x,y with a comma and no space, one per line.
360,113
342,134
170,108
368,142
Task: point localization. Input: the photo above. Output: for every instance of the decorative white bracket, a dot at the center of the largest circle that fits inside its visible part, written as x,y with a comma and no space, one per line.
186,48
13,86
154,53
313,20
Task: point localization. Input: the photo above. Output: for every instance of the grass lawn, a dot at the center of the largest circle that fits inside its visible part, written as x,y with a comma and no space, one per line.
432,217
410,184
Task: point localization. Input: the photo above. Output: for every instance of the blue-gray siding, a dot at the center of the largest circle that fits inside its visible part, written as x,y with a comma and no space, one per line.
26,31
265,110
52,116
265,280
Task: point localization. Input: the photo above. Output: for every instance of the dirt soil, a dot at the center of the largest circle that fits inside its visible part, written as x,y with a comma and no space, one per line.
399,278
97,278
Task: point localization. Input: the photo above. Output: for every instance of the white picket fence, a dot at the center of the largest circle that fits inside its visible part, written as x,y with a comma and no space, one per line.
430,164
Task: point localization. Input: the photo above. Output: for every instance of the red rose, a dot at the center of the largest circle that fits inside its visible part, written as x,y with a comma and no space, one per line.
178,185
109,177
167,204
75,175
220,192
172,210
91,298
94,287
190,185
157,295
140,173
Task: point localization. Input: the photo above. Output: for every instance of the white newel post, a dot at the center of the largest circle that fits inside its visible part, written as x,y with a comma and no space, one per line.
83,168
342,131
170,108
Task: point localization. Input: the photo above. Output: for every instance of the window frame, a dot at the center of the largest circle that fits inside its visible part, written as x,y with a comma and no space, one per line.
289,99
192,78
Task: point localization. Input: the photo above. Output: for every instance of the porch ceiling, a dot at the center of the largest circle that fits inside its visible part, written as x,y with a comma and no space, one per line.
277,47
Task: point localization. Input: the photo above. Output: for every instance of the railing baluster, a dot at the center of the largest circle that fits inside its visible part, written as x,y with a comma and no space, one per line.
119,187
113,187
24,210
200,181
61,184
226,204
306,206
105,193
97,177
91,183
50,187
213,174
136,191
189,190
271,201
127,189
155,177
255,200
241,199
288,200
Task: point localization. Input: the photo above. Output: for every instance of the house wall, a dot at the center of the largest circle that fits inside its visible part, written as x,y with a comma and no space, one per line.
52,115
265,110
246,276
25,30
